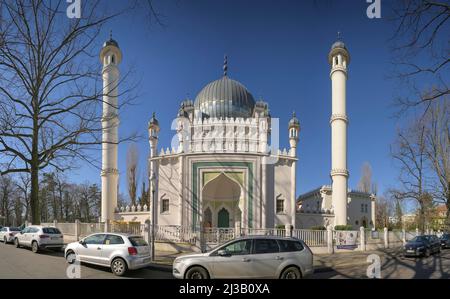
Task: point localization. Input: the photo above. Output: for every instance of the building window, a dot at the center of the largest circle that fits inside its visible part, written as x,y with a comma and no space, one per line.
280,206
362,208
356,222
318,206
165,206
365,208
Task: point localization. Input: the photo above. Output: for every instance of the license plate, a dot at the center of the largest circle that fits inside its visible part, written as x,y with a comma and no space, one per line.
55,238
410,251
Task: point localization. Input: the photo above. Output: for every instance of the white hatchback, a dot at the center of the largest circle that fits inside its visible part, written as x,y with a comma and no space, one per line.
40,237
7,234
120,252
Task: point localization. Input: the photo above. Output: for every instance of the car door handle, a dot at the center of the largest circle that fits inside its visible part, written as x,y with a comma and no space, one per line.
246,260
280,258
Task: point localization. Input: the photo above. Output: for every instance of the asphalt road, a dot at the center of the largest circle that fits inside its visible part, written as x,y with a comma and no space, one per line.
23,263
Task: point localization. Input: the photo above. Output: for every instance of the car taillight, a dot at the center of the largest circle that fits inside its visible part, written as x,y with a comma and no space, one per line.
132,251
43,236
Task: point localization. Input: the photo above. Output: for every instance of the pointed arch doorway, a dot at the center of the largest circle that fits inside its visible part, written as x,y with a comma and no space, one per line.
221,201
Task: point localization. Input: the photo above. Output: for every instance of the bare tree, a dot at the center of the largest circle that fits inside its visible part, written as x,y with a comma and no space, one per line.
421,50
365,183
410,153
132,172
23,185
438,150
50,94
6,197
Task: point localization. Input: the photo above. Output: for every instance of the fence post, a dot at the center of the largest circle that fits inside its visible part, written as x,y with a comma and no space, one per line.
362,238
330,240
386,238
291,231
77,229
404,236
55,222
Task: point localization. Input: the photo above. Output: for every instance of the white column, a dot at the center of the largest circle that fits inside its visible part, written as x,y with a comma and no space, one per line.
372,211
110,124
264,193
339,172
362,238
386,238
293,193
330,239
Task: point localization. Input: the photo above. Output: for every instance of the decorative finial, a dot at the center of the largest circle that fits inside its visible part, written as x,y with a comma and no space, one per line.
110,34
339,37
154,115
293,114
225,66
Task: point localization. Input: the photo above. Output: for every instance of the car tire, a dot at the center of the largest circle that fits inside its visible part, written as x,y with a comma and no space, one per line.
16,243
71,257
35,247
119,267
197,273
291,273
5,241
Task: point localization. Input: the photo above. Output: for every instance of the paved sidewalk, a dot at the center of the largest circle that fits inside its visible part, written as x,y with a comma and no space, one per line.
322,262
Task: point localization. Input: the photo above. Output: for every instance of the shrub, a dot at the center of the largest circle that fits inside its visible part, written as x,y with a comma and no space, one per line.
343,227
280,226
318,227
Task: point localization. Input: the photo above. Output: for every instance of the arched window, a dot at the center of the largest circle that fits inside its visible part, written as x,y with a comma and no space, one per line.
113,59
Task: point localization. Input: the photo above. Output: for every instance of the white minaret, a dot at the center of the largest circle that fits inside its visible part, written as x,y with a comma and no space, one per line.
294,132
110,57
339,59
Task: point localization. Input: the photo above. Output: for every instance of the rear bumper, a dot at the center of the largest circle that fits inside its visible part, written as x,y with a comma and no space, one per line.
135,263
49,246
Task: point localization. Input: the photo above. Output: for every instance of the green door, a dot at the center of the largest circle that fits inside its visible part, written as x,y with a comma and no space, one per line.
223,219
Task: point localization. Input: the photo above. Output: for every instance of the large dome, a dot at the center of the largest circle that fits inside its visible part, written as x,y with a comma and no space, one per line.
225,98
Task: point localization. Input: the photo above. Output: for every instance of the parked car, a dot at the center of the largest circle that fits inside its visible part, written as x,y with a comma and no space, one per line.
7,234
39,237
422,246
249,257
120,252
445,240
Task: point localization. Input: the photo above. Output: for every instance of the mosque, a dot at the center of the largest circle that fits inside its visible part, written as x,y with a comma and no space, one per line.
224,168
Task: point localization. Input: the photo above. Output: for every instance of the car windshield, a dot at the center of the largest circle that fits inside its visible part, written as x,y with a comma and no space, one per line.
51,230
137,241
419,239
14,229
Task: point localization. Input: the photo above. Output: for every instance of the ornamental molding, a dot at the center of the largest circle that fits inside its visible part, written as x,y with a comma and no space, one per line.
339,117
338,68
343,172
109,171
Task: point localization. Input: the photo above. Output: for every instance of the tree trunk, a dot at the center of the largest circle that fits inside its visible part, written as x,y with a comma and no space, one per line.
34,199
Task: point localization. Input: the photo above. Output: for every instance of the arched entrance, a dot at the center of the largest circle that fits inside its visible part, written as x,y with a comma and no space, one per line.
223,219
221,196
207,216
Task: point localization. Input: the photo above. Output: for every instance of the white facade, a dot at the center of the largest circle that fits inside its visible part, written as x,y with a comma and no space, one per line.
315,208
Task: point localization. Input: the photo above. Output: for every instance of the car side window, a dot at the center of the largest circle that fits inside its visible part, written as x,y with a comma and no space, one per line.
239,248
113,240
289,246
266,246
3,230
95,239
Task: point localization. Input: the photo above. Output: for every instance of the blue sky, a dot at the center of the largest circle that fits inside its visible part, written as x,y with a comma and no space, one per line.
278,50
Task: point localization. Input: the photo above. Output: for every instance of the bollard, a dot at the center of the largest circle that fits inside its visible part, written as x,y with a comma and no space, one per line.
77,229
362,234
386,238
330,240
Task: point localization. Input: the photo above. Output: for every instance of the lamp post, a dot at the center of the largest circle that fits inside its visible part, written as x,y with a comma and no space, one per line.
152,216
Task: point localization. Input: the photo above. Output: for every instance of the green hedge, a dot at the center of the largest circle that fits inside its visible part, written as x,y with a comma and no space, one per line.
343,227
318,228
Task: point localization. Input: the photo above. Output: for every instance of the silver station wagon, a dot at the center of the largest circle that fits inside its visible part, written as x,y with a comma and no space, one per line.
249,257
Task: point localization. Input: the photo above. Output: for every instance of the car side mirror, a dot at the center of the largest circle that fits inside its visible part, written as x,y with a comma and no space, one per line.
223,253
82,242
21,232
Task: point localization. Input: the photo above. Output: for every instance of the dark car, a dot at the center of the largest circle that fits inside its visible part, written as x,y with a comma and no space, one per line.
422,246
445,240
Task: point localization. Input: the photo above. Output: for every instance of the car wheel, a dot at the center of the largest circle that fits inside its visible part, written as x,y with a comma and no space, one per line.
119,267
16,243
35,247
71,257
291,273
197,273
5,241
